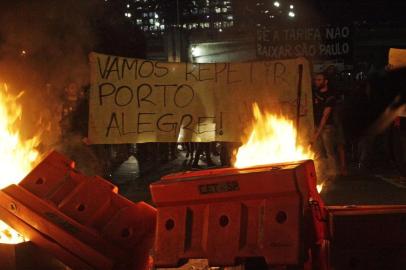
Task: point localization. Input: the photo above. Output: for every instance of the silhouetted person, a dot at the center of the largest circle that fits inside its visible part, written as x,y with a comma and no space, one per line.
324,138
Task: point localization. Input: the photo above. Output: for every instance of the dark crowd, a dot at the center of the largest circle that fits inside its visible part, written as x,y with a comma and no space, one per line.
358,120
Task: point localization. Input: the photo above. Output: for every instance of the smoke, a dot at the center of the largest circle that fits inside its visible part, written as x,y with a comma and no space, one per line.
43,46
46,41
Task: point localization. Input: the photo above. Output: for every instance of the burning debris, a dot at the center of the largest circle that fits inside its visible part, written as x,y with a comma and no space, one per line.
273,139
17,156
9,235
81,220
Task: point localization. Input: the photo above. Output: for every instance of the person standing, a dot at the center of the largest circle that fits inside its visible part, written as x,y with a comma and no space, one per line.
324,138
336,85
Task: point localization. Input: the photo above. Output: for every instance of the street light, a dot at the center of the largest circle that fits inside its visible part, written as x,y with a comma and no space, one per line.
276,4
196,51
291,14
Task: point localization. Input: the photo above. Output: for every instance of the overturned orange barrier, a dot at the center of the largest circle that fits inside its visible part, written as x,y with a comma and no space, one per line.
274,214
25,256
227,215
81,220
367,237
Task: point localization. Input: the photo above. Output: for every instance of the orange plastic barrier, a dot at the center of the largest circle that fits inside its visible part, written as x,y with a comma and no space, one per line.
226,215
25,256
367,237
81,220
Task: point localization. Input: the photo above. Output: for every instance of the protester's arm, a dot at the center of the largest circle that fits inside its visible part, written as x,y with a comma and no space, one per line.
324,119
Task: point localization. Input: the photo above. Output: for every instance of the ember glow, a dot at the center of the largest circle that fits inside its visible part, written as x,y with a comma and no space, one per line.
17,157
272,140
10,236
320,187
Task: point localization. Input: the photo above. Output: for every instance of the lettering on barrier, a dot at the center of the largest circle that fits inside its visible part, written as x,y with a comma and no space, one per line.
219,187
54,218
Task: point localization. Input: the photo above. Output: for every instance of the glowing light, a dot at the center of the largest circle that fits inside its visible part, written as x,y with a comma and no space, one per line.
196,51
276,4
320,187
291,14
17,157
9,235
272,140
291,7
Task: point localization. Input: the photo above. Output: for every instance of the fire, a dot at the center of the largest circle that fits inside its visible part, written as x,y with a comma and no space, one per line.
17,156
10,236
320,187
273,139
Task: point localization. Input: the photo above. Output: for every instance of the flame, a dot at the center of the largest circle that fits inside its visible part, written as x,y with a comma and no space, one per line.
17,157
320,187
272,140
10,236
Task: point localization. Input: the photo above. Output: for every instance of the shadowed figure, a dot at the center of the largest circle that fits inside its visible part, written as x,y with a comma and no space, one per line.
371,117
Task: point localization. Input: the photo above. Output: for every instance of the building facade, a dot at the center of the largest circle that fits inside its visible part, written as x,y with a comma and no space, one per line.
155,16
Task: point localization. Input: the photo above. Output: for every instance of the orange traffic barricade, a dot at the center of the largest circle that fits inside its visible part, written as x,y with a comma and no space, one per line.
369,237
228,215
81,220
26,255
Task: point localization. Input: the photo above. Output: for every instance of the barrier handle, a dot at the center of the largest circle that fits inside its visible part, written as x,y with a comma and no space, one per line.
316,209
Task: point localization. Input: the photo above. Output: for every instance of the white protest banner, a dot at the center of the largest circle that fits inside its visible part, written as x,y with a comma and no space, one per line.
137,100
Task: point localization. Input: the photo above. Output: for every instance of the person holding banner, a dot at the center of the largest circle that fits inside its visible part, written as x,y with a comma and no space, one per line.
324,138
200,149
